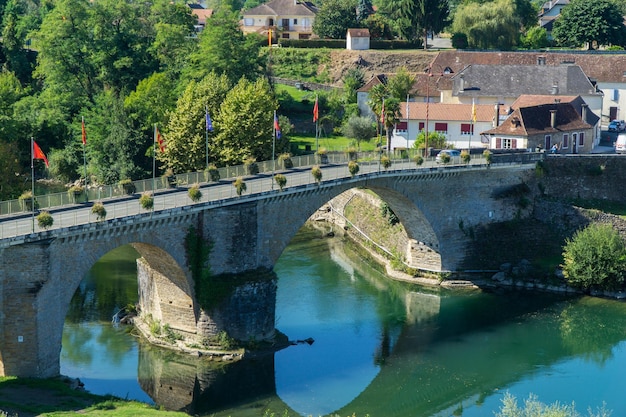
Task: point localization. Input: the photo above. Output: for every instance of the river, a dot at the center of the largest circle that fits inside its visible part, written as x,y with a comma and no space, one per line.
381,348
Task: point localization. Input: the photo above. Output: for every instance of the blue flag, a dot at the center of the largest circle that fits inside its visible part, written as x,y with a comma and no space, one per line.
276,127
209,125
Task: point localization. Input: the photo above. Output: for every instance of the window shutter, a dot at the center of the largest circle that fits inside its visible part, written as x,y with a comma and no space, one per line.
513,143
581,138
498,143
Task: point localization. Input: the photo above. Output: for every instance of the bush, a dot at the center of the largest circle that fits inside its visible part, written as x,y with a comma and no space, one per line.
285,160
316,171
351,153
45,220
194,193
99,210
595,257
128,186
27,201
281,180
418,159
359,128
252,168
385,161
465,157
488,156
533,407
240,186
213,173
147,201
353,168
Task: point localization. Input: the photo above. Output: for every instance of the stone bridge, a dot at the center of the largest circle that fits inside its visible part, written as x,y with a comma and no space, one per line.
41,271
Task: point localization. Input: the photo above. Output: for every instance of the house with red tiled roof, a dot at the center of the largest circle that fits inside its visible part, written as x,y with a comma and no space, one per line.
606,71
362,95
455,121
543,126
287,19
201,14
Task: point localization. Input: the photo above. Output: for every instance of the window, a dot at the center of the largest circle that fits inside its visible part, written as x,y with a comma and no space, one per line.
581,139
295,21
467,129
615,95
565,141
421,126
285,36
509,143
441,127
305,22
248,22
304,36
548,142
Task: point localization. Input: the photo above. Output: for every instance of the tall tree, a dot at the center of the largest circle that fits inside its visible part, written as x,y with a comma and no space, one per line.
490,25
352,81
400,84
334,19
426,16
595,23
364,10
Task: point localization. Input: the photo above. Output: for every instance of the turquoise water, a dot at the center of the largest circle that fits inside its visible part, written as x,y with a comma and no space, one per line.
380,347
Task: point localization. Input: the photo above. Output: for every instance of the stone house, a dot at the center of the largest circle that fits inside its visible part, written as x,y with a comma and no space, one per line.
287,19
541,127
358,39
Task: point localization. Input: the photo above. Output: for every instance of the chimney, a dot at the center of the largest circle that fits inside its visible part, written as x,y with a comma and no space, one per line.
496,119
461,84
583,112
553,119
555,89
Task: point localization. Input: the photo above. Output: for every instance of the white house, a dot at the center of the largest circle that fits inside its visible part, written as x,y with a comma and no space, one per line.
460,123
358,39
286,19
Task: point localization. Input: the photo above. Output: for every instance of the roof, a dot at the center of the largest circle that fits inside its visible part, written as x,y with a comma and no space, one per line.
359,33
515,80
283,8
449,112
607,67
528,100
426,85
203,15
375,80
534,120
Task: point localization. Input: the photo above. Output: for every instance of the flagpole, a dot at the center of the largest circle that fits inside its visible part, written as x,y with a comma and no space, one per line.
273,149
84,154
32,179
407,125
154,160
469,145
206,136
317,137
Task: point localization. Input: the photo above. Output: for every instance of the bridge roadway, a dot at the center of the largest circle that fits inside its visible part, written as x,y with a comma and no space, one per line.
21,224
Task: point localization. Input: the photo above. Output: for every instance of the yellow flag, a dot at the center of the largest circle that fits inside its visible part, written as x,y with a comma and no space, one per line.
473,112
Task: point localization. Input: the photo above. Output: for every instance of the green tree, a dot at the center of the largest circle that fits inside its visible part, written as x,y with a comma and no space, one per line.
245,123
595,257
435,140
364,9
18,20
391,116
334,18
380,26
353,79
535,38
400,84
224,49
186,130
360,129
490,25
10,186
425,16
594,23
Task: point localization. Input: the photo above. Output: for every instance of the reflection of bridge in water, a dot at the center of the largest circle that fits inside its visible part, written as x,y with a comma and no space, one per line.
428,386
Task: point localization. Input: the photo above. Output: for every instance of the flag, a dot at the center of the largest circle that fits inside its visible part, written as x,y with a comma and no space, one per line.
38,153
276,126
269,37
209,124
84,132
382,113
473,112
160,140
315,111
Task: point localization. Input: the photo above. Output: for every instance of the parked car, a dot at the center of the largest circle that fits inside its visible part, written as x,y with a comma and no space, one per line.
455,156
617,126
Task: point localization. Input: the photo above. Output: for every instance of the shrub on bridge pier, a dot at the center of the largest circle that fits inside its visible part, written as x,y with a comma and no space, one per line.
465,156
488,155
99,210
285,160
240,186
353,168
385,161
252,168
128,186
147,201
418,159
321,156
45,220
316,171
281,180
27,201
212,173
194,193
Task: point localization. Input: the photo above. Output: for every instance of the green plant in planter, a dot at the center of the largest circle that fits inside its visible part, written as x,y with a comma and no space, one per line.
285,160
385,161
351,152
194,193
316,171
444,157
322,156
147,201
240,186
465,156
488,155
99,210
252,168
281,180
213,173
27,201
169,179
45,220
128,186
418,159
353,168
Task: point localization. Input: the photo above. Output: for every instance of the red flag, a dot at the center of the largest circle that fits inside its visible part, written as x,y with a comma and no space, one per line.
84,132
38,153
315,111
160,141
277,126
